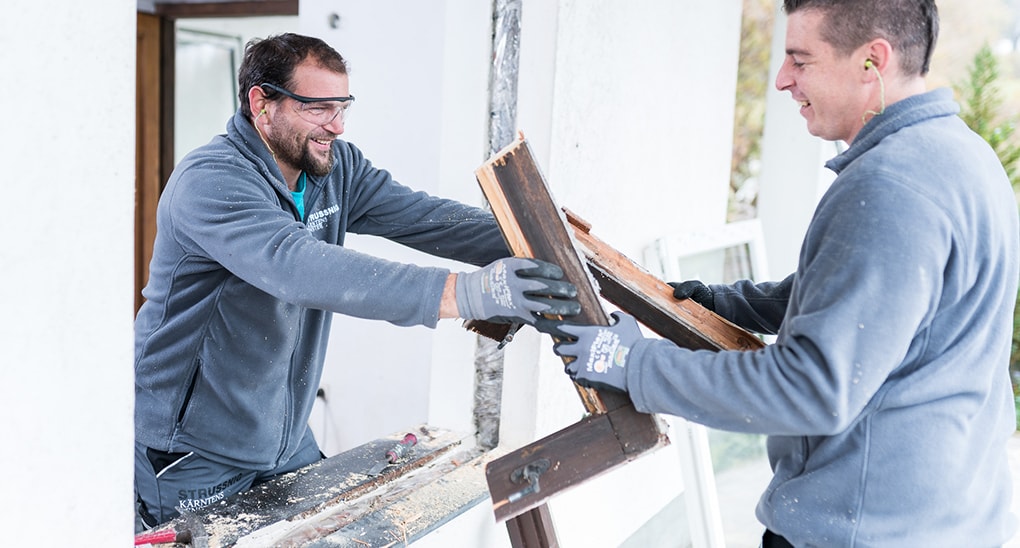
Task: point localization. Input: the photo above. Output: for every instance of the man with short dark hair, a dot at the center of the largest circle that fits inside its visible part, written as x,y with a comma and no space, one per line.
249,265
886,395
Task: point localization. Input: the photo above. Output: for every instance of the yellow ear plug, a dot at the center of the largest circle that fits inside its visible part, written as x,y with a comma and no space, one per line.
868,64
264,141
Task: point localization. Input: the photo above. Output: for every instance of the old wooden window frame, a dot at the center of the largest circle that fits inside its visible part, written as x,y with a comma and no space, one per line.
614,433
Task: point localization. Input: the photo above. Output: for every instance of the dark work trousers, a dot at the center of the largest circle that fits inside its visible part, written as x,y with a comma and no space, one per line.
772,540
167,484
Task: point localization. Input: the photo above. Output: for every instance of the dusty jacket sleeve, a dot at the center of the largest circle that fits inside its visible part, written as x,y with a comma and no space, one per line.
446,228
756,307
221,213
866,283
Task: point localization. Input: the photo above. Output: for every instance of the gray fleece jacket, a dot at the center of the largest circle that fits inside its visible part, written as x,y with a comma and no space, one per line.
230,342
886,395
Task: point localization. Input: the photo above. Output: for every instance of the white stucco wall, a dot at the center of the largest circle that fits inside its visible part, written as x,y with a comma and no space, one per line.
66,273
629,110
641,124
793,176
632,130
420,75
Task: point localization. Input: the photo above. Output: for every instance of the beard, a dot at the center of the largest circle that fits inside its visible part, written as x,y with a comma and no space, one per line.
292,148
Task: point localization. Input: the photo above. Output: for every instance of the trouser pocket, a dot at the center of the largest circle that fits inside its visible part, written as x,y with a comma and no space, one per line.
169,484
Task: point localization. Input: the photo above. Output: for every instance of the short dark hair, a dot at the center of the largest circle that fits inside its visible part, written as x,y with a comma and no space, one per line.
272,61
911,26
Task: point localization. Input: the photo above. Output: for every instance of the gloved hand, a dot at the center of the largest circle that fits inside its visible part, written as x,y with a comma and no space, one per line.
514,290
693,289
600,352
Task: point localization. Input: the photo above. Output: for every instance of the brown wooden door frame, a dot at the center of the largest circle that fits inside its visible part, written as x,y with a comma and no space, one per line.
154,132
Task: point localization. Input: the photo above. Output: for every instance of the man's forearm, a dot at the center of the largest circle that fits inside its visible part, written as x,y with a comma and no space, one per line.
448,304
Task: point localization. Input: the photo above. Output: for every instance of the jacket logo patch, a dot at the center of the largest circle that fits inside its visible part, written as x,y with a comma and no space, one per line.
317,220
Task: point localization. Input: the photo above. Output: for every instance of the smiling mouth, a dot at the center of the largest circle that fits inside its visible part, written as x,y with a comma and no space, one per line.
324,142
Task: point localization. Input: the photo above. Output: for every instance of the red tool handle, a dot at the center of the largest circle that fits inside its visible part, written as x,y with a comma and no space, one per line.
156,537
399,450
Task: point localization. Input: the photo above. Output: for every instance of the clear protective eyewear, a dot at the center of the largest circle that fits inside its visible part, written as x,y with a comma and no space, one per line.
317,110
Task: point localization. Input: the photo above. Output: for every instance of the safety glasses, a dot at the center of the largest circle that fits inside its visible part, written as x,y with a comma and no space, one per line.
317,110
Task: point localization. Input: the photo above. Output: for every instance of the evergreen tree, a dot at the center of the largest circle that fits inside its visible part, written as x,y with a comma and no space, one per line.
981,104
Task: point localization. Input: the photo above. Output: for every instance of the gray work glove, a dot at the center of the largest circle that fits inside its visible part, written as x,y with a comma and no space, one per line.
515,290
693,289
600,352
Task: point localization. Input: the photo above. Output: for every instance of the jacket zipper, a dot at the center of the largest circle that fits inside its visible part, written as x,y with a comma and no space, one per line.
191,390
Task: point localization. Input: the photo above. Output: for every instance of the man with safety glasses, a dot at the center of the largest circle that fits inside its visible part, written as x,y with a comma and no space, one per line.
249,265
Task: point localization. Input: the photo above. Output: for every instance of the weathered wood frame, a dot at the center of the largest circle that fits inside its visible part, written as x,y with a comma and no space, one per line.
346,500
614,433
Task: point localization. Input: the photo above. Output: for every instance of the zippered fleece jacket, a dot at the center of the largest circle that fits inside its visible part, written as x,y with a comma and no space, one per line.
230,342
886,395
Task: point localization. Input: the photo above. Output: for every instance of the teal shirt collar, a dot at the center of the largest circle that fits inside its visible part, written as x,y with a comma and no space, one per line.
299,195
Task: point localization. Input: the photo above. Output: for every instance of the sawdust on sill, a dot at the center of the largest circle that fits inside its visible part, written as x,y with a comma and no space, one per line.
411,502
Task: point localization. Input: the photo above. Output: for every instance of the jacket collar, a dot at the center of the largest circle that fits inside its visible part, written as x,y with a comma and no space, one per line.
909,111
250,143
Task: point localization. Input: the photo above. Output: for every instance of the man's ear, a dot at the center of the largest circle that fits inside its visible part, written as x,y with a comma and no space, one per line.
877,55
256,101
